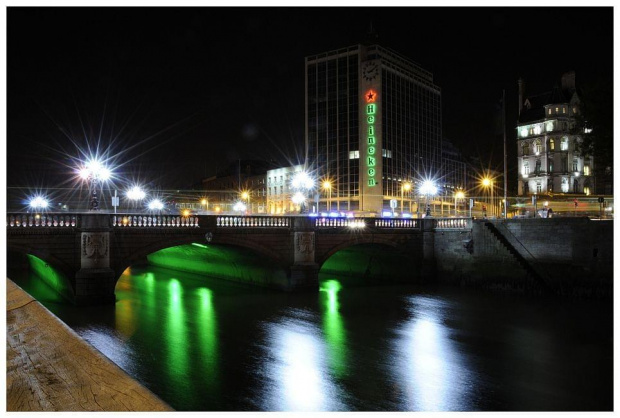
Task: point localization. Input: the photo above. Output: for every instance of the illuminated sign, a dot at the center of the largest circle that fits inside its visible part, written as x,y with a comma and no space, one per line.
371,159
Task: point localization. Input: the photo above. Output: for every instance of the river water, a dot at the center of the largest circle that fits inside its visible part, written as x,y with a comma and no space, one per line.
203,344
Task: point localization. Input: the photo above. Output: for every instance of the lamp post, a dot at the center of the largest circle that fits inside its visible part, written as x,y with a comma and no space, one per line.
94,172
327,186
487,182
404,188
245,195
301,182
458,195
428,189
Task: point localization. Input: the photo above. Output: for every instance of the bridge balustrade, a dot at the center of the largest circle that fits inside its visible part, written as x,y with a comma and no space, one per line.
48,220
253,222
453,223
397,223
155,221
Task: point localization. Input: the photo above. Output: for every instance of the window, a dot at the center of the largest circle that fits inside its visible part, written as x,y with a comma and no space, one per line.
537,169
537,147
549,126
564,144
575,186
575,165
550,185
563,109
549,110
564,185
354,155
550,165
526,148
526,168
564,164
538,187
586,170
557,110
551,144
586,190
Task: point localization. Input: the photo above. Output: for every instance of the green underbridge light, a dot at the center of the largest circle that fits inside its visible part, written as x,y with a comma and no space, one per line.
208,336
195,244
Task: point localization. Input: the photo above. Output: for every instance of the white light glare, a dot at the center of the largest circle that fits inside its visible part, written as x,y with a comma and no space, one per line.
96,170
298,198
428,188
302,180
240,207
38,202
156,204
136,193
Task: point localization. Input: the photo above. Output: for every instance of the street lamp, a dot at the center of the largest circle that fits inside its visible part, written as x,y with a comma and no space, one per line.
135,193
487,182
428,189
246,196
156,204
301,182
94,172
328,187
205,203
38,202
404,188
458,195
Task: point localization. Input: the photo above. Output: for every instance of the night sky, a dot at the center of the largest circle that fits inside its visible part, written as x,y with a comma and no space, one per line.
172,95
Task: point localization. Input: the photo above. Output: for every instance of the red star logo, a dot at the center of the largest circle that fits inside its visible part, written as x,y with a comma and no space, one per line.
371,96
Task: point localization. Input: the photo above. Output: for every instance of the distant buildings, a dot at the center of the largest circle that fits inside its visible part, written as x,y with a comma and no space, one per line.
549,160
373,126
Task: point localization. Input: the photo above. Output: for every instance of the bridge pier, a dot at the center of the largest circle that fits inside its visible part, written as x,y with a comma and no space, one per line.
304,273
95,281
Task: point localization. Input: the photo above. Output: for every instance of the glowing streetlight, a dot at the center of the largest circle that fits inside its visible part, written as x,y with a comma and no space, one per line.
38,202
301,182
327,186
155,204
94,171
239,207
404,188
486,183
135,193
246,196
428,189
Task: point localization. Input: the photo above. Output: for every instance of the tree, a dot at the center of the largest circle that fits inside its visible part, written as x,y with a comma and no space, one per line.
594,123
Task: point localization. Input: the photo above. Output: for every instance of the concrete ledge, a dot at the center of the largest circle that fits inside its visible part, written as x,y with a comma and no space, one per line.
50,368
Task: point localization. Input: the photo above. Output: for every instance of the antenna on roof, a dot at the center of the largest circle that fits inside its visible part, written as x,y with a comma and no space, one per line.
371,34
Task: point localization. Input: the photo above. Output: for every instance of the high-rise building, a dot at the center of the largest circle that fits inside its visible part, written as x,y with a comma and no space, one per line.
548,153
373,126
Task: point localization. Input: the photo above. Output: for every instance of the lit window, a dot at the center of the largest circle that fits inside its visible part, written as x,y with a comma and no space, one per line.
575,165
586,170
524,132
564,185
549,110
563,109
538,187
386,153
537,147
557,110
526,168
354,155
537,130
586,190
551,144
564,144
549,126
574,110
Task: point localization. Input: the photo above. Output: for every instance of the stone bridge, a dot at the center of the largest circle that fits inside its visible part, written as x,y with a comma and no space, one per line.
92,250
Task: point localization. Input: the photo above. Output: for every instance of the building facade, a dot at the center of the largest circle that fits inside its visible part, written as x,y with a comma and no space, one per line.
280,190
373,125
549,159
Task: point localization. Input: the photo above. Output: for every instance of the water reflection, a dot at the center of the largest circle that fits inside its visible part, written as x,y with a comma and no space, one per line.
296,367
177,361
434,377
207,333
333,327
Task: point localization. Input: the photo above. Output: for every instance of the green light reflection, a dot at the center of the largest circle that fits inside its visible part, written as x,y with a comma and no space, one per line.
333,327
177,338
207,335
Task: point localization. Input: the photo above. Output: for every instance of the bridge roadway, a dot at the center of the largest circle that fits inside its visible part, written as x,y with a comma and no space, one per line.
92,249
